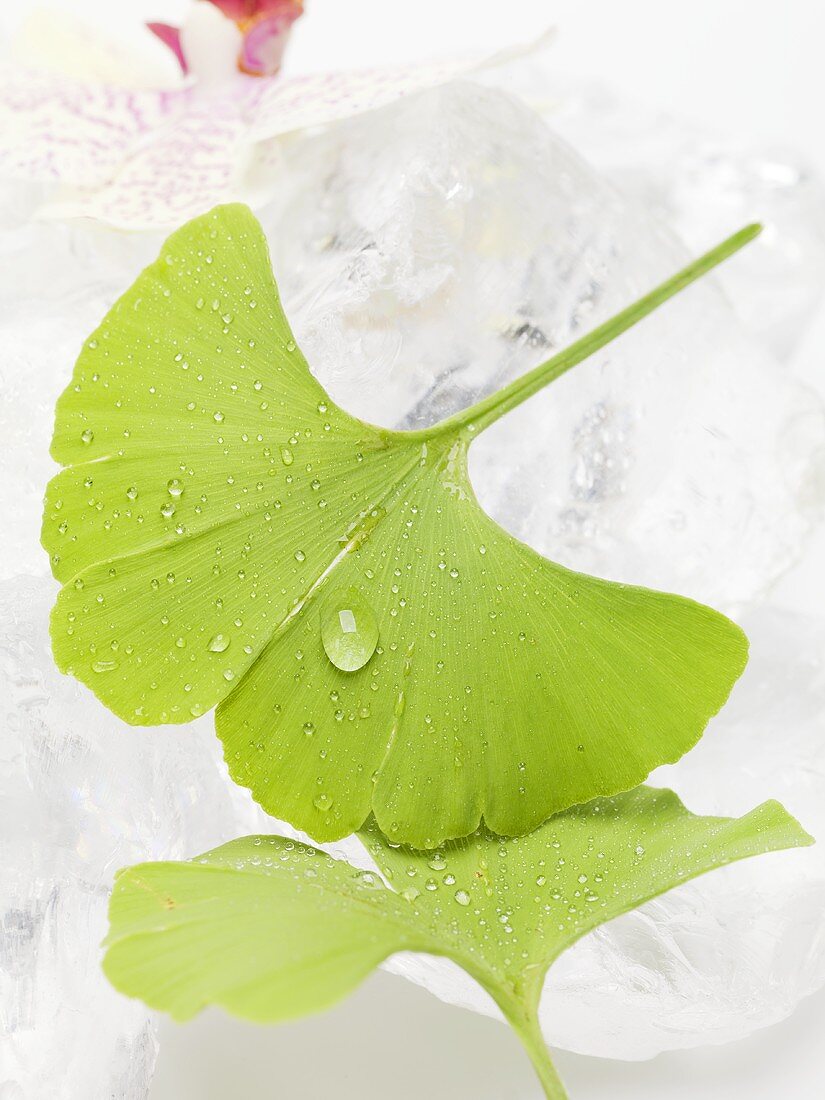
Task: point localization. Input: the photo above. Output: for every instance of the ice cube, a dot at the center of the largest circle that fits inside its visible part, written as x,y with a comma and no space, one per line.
83,795
704,186
434,250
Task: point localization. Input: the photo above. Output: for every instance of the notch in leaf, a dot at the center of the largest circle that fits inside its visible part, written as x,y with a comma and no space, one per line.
226,535
235,926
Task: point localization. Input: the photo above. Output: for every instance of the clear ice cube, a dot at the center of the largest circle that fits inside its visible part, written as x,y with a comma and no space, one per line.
82,795
434,250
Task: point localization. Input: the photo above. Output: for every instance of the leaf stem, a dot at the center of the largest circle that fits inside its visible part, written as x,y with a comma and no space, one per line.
479,416
526,1026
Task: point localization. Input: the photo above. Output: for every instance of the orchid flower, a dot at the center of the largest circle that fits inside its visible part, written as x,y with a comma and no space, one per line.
141,157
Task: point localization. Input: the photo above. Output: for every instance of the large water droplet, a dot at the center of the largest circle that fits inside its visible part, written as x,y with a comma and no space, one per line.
219,643
349,631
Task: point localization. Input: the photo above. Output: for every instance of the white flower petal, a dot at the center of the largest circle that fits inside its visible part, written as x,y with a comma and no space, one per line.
299,102
194,161
56,128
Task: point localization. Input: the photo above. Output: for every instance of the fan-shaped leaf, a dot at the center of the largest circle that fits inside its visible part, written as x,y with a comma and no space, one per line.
226,534
271,929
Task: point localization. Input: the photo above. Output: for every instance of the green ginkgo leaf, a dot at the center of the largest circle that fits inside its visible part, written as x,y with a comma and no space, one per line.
227,535
271,929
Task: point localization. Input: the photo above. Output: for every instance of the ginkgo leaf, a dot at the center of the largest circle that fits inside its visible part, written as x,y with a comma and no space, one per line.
271,929
222,530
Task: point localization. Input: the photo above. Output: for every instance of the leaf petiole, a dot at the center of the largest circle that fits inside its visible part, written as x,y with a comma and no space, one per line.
520,1010
485,412
532,1040
525,1023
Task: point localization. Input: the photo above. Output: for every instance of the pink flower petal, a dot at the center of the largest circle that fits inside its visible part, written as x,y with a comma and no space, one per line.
170,36
264,44
243,11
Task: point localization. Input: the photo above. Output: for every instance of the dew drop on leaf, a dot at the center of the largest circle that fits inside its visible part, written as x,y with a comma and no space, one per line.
104,666
349,630
219,643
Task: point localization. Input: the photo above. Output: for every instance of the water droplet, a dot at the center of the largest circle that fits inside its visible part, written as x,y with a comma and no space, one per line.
287,456
462,897
369,879
168,509
132,492
104,666
219,643
87,436
322,802
349,631
218,417
174,487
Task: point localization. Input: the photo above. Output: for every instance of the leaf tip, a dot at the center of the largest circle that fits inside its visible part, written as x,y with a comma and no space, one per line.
795,835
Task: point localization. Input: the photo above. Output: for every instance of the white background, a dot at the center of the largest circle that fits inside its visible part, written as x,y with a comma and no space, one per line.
746,67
